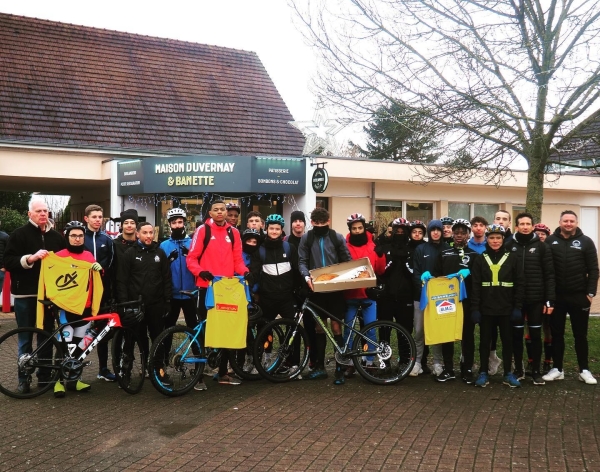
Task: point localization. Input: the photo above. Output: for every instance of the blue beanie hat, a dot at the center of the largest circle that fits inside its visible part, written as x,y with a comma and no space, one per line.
434,224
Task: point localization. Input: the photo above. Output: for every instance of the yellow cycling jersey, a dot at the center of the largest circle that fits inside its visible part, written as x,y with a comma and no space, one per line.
443,311
227,317
66,281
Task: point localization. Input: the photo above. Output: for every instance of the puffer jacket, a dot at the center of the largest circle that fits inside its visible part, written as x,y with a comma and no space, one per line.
575,263
182,278
366,250
536,263
397,275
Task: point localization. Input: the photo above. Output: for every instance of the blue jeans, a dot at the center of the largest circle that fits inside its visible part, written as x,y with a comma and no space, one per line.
369,315
25,313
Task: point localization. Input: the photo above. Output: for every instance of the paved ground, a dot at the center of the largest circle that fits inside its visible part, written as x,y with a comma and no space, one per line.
416,425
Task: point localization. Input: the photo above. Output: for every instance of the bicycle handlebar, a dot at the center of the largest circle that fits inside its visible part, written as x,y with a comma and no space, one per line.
114,306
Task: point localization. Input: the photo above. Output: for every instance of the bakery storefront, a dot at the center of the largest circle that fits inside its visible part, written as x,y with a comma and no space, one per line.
265,184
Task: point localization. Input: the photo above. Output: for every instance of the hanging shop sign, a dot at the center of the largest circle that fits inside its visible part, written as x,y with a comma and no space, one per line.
212,174
320,180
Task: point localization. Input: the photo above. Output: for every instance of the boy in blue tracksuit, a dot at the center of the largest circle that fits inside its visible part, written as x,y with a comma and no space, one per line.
176,248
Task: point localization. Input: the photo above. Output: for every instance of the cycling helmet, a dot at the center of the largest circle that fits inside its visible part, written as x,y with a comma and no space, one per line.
491,229
274,219
400,222
73,225
233,206
462,222
446,220
254,313
542,227
251,233
354,218
176,213
418,224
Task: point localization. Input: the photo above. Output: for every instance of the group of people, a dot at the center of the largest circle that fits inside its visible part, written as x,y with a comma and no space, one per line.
519,285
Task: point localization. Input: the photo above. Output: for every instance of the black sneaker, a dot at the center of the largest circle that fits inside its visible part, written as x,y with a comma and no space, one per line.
547,367
23,387
339,377
519,374
445,375
467,377
538,379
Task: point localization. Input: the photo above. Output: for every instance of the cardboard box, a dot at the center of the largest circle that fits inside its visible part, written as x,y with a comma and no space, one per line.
341,269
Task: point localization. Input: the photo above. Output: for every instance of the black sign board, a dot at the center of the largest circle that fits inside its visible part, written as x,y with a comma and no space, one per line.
320,179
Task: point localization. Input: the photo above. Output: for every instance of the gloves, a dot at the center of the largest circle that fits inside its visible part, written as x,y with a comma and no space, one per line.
206,275
184,251
174,255
464,273
248,278
516,315
426,276
476,317
167,308
97,267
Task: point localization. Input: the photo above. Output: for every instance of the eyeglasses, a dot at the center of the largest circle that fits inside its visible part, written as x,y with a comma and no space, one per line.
76,236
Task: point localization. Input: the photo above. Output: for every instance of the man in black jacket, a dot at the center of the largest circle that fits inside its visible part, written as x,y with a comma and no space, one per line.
26,248
144,270
536,260
576,265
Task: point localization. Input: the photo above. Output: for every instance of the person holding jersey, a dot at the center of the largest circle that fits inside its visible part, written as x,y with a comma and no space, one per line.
360,244
216,249
496,299
74,235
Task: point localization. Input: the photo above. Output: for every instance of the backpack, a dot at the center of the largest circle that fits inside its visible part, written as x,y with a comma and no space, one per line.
208,234
287,249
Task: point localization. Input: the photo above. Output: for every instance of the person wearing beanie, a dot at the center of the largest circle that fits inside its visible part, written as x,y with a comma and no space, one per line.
298,223
129,221
424,261
496,299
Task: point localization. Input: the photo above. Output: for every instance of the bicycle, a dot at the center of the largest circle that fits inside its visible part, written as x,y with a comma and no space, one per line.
178,357
53,355
372,350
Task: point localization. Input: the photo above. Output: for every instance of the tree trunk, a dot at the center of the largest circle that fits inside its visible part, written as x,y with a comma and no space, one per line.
535,190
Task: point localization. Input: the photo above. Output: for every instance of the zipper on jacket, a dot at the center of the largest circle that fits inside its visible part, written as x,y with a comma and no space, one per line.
322,246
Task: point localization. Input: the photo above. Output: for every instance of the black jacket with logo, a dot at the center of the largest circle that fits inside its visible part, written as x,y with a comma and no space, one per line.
575,263
451,260
144,270
536,262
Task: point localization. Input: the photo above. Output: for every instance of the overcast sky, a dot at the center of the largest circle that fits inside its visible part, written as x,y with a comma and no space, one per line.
262,26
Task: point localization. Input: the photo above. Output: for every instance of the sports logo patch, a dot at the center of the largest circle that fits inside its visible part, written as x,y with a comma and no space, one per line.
445,306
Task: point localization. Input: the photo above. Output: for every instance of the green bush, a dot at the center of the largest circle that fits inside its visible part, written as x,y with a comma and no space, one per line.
11,219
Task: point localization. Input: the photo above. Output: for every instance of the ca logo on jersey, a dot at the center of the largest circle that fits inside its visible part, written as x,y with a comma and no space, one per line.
66,281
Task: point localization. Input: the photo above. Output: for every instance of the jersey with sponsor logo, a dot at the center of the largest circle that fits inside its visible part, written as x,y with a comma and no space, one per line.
66,282
227,301
441,301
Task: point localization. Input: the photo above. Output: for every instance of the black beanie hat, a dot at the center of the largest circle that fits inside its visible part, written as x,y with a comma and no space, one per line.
297,215
130,214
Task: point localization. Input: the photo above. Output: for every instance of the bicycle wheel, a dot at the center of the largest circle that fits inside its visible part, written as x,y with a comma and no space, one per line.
13,369
281,350
244,365
175,365
129,360
389,352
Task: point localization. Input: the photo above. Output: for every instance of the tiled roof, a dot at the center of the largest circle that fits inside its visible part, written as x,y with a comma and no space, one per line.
72,85
583,142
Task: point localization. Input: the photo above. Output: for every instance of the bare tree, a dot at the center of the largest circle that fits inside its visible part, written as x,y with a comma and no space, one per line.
506,79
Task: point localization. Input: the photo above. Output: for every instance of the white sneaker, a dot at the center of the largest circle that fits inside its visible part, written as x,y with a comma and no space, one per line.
437,369
556,374
587,377
494,364
416,370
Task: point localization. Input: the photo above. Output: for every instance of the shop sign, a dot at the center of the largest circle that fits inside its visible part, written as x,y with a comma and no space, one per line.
203,174
320,180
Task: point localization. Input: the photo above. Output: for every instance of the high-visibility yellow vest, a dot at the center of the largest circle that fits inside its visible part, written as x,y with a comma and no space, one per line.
495,268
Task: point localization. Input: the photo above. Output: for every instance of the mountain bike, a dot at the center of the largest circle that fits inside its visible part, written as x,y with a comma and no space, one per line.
178,357
53,359
382,352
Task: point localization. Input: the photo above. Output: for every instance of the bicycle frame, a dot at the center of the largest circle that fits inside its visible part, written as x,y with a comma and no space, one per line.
311,307
114,321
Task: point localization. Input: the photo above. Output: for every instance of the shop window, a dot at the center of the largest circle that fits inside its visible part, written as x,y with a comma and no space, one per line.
459,210
487,210
419,211
385,212
323,203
